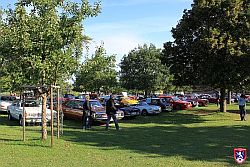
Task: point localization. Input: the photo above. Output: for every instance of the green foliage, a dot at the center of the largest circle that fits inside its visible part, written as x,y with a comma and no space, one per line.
97,72
43,45
142,70
211,45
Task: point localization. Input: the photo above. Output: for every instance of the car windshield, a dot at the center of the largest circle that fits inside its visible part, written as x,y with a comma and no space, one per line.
33,103
126,98
8,98
132,104
163,100
95,104
143,103
175,98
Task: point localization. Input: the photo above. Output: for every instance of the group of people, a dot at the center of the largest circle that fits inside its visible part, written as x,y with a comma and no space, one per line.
110,111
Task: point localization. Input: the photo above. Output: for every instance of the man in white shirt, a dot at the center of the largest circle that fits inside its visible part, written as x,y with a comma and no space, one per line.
242,107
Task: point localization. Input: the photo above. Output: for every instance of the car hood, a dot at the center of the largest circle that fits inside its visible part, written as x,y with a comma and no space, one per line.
36,110
5,103
129,101
182,102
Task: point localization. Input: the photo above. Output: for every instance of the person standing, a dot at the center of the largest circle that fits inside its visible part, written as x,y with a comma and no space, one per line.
87,114
111,111
242,107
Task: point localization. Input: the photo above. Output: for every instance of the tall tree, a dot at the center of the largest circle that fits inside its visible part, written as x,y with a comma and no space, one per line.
211,45
142,70
97,72
44,40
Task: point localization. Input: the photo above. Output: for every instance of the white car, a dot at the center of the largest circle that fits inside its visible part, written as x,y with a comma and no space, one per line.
5,101
146,109
33,111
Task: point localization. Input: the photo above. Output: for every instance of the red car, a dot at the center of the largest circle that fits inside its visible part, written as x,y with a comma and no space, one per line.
177,103
201,102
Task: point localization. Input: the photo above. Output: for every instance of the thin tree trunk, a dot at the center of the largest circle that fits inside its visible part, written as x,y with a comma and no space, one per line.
44,122
223,103
229,97
146,93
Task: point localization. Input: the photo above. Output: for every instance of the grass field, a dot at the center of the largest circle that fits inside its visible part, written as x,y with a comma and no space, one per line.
199,137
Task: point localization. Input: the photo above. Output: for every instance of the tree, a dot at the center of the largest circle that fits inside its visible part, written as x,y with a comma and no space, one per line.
211,46
142,70
97,72
43,42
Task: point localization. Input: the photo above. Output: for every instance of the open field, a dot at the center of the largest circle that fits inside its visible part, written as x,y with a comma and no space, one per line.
199,137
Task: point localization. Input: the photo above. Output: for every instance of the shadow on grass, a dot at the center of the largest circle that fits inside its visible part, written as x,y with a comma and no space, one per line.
167,118
213,144
4,121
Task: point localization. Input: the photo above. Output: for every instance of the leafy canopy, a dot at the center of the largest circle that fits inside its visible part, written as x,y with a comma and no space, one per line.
97,72
211,44
142,69
43,39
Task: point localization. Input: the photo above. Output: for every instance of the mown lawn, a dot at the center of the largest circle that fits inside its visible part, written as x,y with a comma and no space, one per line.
199,137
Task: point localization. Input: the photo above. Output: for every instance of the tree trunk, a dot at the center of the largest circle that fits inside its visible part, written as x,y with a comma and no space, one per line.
229,97
223,103
146,93
44,122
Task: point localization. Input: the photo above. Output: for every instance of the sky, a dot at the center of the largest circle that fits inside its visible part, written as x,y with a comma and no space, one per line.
124,24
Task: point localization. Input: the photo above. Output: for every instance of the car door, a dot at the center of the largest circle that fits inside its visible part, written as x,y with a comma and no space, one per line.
14,109
19,109
67,108
77,110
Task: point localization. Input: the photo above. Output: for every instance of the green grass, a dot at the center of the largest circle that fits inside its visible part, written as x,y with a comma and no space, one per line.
199,137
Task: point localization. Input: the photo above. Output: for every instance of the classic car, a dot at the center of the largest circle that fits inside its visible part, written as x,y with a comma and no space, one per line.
208,97
195,101
128,101
68,97
33,111
73,109
6,101
165,106
147,109
130,111
177,103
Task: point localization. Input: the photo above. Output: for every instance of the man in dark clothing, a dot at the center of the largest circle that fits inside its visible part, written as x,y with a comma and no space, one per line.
87,114
111,111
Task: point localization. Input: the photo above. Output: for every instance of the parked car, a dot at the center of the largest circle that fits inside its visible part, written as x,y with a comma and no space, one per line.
176,102
130,111
33,111
199,102
6,101
165,106
128,101
210,98
68,97
73,109
146,109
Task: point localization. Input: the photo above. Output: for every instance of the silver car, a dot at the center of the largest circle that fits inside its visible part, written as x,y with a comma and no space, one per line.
146,109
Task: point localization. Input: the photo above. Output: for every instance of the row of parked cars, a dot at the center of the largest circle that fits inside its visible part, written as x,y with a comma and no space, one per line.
73,107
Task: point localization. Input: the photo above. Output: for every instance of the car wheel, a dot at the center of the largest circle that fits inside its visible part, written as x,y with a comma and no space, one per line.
144,112
10,116
20,120
178,107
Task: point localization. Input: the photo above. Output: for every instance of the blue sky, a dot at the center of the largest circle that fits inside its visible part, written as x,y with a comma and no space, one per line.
125,24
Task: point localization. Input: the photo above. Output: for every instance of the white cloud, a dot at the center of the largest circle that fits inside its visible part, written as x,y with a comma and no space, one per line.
121,37
116,43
